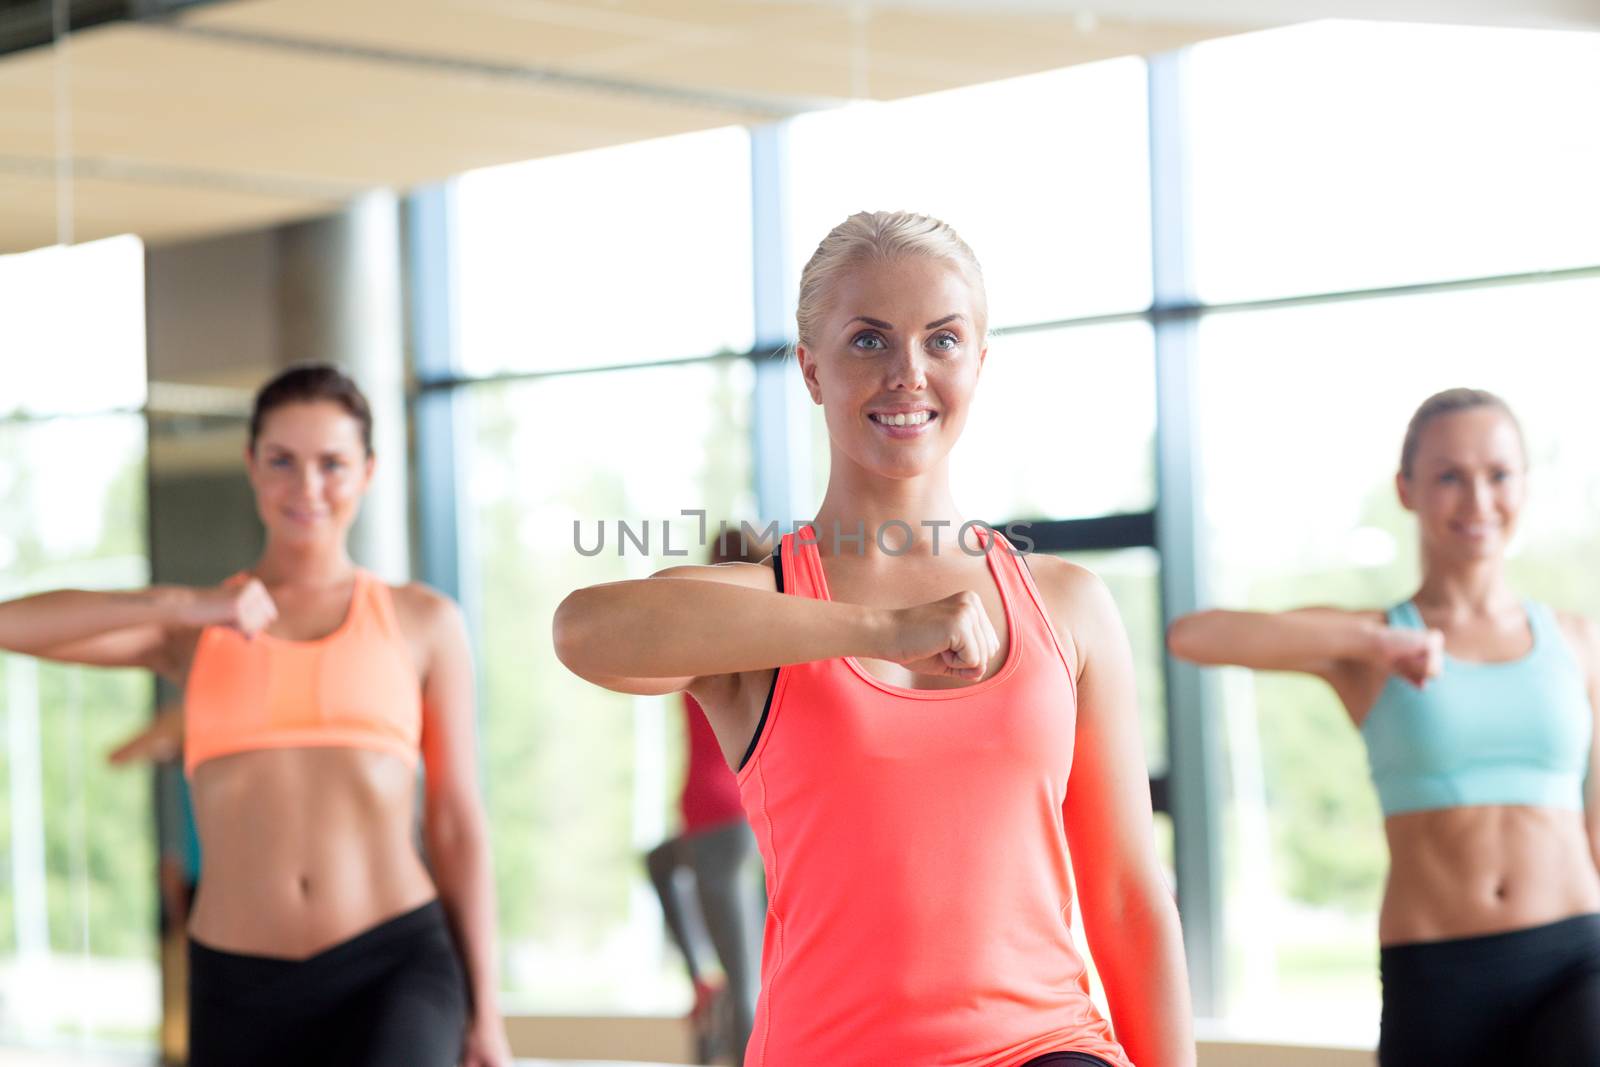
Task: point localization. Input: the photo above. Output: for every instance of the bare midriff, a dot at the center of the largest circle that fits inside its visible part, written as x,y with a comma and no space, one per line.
1470,871
304,848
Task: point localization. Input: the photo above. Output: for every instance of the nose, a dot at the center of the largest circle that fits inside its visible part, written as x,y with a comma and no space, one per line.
907,371
1480,496
310,480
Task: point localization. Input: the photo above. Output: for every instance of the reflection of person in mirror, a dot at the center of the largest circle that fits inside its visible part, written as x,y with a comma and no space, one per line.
905,722
312,692
709,861
1478,710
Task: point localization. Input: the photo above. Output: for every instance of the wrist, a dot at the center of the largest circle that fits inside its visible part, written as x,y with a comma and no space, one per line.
875,629
1371,645
175,605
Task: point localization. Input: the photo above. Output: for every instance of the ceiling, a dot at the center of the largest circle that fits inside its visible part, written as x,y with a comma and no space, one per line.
238,115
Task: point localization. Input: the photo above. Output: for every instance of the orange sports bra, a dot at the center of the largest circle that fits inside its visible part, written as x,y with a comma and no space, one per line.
357,687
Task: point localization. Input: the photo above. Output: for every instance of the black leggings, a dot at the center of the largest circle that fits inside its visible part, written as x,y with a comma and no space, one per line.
1066,1059
395,994
1528,996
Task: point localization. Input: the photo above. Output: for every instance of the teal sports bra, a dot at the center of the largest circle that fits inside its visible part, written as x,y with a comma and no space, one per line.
1516,732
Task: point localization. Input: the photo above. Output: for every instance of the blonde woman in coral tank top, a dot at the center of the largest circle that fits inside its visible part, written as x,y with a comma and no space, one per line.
925,725
312,692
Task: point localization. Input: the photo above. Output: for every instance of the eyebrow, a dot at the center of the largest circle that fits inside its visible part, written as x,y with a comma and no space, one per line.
880,324
274,449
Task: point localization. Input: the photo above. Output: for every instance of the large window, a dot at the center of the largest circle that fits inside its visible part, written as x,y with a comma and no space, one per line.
637,255
1352,155
579,779
72,329
1046,177
1427,168
621,255
77,860
1063,426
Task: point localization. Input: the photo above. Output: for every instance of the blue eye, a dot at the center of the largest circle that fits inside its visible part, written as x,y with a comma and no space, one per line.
333,465
945,342
868,339
279,462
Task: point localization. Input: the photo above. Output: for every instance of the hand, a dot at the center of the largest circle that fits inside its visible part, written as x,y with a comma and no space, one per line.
1415,655
951,638
162,740
242,604
486,1044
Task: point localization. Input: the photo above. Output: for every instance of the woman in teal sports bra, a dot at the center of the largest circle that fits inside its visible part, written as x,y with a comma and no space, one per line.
1478,710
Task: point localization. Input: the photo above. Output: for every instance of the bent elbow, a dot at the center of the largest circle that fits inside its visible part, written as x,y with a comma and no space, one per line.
1183,636
1202,637
571,630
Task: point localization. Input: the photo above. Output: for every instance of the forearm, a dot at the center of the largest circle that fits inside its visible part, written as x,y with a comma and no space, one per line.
1291,640
1146,984
34,625
681,627
464,874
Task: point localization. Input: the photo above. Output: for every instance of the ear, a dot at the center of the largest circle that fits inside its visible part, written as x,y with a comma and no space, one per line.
983,354
1402,488
367,468
808,373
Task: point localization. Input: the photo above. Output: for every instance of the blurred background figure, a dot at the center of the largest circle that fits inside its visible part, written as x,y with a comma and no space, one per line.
705,873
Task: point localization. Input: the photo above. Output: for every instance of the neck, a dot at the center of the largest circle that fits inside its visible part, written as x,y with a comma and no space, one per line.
857,501
1475,588
304,564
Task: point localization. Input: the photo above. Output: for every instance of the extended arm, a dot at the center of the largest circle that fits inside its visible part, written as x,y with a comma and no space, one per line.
133,628
1311,640
657,635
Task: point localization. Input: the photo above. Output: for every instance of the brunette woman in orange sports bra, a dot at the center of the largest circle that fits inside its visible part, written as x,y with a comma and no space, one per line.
921,727
313,690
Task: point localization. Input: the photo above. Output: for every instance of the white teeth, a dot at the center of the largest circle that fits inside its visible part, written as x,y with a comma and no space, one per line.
915,419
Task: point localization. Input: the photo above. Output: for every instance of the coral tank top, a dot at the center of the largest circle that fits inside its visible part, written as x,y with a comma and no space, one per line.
916,858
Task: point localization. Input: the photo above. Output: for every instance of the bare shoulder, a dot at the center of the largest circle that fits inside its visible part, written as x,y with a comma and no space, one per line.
423,612
1072,593
1583,633
1077,602
750,575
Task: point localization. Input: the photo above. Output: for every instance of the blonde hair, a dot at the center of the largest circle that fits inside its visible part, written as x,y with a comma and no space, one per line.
1449,402
880,235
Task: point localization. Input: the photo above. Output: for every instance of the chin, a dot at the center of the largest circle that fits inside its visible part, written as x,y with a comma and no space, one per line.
1478,550
298,534
901,471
